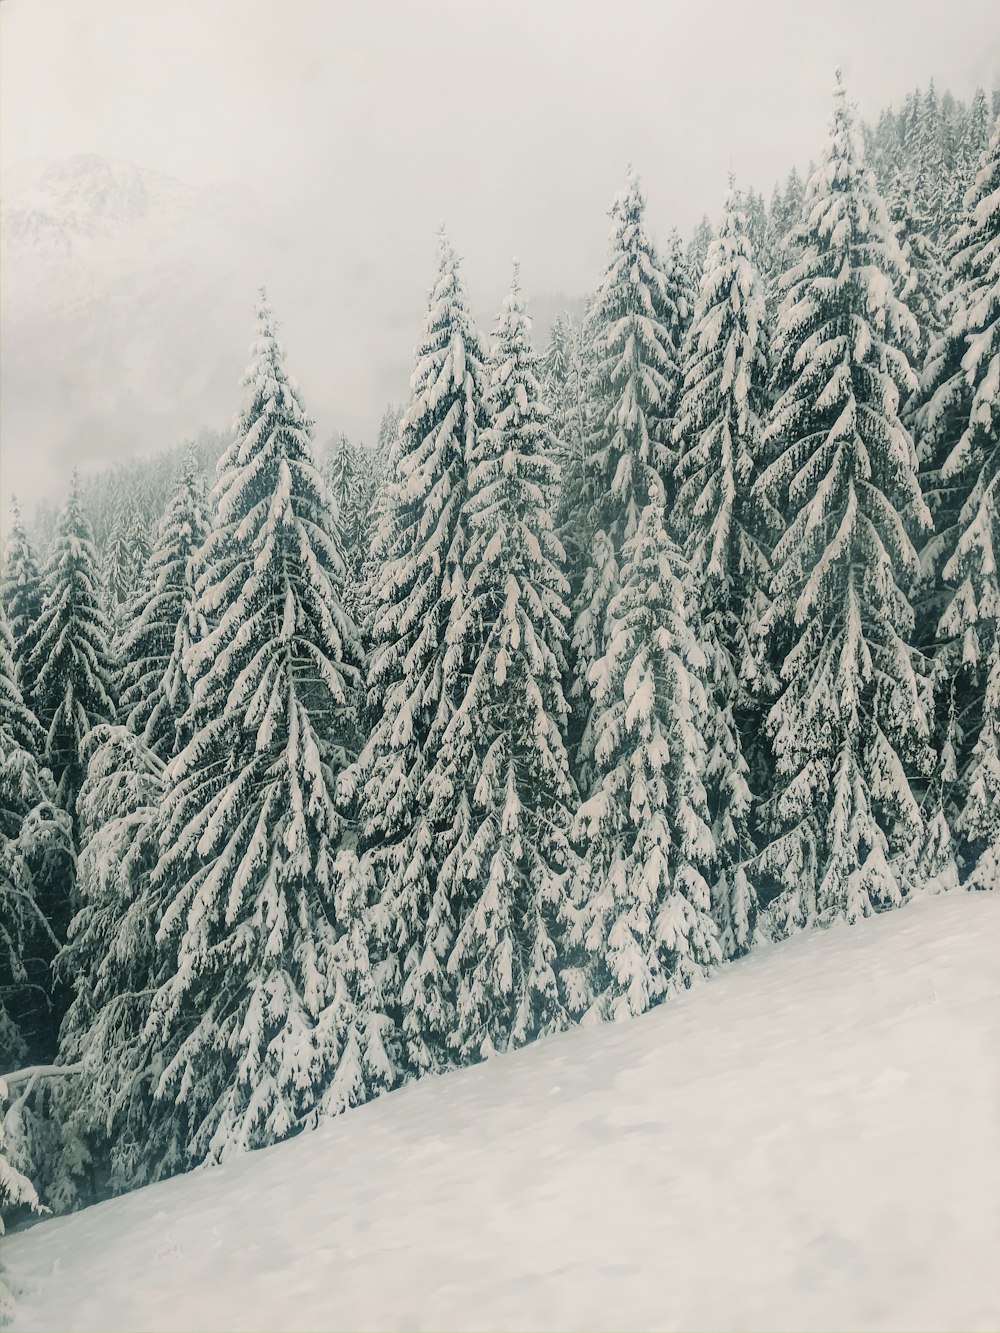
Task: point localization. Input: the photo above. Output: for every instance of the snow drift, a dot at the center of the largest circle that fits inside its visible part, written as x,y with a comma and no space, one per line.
812,1140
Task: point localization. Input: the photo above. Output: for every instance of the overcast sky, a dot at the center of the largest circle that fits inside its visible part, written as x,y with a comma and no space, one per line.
371,121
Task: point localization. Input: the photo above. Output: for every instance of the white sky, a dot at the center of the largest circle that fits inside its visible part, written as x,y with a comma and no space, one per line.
375,119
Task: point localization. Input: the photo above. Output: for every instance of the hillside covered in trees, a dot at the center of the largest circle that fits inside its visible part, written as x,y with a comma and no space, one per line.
606,662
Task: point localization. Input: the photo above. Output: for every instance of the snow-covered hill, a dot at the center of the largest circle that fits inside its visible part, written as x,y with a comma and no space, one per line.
810,1141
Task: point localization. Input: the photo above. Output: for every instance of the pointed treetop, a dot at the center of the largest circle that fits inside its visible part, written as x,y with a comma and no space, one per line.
513,303
266,323
447,257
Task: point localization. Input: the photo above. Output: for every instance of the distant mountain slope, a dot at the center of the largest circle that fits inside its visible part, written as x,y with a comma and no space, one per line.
127,302
809,1141
126,305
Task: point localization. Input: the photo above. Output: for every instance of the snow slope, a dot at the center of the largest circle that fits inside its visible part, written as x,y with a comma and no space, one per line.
810,1141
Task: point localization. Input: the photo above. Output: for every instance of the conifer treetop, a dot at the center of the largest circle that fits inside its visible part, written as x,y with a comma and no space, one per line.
633,322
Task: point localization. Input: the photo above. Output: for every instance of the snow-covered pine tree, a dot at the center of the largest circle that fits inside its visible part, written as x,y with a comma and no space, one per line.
23,593
115,963
784,216
850,725
154,687
344,478
635,371
254,1025
124,560
385,440
563,390
755,213
644,918
36,864
682,289
725,533
697,251
70,661
419,550
16,1191
19,724
633,376
554,372
961,424
554,365
507,857
375,464
937,169
570,406
923,285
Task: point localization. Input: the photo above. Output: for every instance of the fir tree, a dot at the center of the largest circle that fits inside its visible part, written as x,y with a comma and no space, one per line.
36,864
508,857
154,687
923,284
724,531
634,326
379,463
755,215
570,408
254,1025
961,418
124,561
682,289
346,482
850,723
23,594
70,662
420,549
635,374
697,252
116,963
644,920
785,216
16,1191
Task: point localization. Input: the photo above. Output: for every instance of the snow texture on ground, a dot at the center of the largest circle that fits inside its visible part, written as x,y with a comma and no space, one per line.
810,1141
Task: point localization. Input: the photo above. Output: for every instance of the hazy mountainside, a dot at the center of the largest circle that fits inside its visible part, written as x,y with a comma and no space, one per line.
125,290
120,287
809,1141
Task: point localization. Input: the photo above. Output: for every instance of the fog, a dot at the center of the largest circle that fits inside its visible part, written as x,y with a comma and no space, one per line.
341,135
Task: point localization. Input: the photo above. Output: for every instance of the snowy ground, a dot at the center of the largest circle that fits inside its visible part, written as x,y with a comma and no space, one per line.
811,1141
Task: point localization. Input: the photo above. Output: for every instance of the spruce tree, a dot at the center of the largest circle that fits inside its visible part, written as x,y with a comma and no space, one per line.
633,376
725,535
570,421
115,963
785,216
345,477
124,561
644,919
508,858
697,252
420,550
923,284
16,1191
36,865
961,421
254,1025
23,594
850,725
70,662
682,289
154,686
